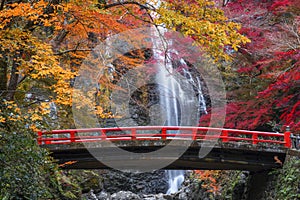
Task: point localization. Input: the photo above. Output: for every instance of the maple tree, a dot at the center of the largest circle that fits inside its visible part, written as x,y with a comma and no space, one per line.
263,87
203,22
28,64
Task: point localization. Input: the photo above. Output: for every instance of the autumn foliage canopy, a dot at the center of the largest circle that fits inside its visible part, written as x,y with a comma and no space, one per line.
43,44
263,87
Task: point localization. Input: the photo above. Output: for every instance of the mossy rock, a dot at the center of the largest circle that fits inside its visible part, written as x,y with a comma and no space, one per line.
92,182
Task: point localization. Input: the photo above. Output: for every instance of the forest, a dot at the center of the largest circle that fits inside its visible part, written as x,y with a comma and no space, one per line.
255,45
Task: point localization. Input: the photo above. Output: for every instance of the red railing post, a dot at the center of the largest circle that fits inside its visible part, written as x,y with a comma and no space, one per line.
287,137
103,135
164,133
254,138
194,134
133,134
39,139
225,134
72,136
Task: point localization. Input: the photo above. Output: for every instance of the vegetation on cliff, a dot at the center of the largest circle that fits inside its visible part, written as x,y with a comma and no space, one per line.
280,184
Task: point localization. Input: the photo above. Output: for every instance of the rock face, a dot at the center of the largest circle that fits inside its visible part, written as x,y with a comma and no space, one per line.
122,186
137,186
145,186
139,183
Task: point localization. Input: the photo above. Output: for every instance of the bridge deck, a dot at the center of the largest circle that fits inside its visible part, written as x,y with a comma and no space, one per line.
223,156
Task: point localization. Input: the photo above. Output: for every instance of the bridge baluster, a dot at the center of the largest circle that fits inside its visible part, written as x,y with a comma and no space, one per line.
164,133
133,134
39,139
254,138
225,135
287,138
194,133
72,136
103,135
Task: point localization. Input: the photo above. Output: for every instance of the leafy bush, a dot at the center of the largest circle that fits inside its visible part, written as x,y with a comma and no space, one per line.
26,170
288,181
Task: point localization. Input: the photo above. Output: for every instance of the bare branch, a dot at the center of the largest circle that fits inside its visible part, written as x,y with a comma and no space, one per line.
119,3
59,38
71,50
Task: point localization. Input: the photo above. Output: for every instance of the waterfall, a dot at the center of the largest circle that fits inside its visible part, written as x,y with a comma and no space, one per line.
170,89
169,105
197,84
201,99
171,94
176,178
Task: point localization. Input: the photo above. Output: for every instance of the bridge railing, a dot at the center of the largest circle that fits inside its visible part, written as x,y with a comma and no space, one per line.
162,133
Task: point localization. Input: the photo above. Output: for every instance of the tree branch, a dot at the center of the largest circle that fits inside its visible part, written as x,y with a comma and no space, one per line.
22,79
152,8
125,3
71,50
59,38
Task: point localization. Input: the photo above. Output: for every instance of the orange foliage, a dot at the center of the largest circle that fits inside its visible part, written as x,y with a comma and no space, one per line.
67,163
208,179
46,43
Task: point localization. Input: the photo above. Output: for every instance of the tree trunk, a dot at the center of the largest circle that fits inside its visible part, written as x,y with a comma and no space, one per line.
3,78
13,82
2,4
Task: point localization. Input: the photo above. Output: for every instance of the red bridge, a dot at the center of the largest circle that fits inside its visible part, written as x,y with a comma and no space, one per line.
230,148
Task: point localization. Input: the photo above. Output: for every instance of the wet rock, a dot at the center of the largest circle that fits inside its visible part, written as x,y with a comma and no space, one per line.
159,196
125,195
104,196
139,183
91,182
183,196
90,196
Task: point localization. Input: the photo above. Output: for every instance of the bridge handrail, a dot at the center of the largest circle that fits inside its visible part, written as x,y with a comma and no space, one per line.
191,132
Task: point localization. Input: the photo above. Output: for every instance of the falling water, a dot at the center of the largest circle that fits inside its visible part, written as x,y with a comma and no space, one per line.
197,84
171,94
169,104
168,91
201,99
176,178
